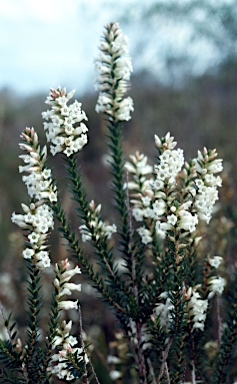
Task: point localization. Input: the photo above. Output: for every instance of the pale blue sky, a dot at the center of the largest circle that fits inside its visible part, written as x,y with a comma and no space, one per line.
50,42
46,42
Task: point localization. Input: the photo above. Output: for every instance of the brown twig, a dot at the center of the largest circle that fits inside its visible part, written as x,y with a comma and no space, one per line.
164,359
84,350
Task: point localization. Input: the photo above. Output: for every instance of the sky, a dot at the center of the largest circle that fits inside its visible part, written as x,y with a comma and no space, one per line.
48,43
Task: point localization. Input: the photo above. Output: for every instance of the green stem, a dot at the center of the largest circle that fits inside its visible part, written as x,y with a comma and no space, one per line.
35,303
101,244
117,165
53,326
226,354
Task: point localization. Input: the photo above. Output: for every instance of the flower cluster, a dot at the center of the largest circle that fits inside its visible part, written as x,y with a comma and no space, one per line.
63,286
207,165
194,305
38,216
38,181
139,169
197,308
63,340
170,162
163,311
114,68
65,129
177,195
38,219
97,227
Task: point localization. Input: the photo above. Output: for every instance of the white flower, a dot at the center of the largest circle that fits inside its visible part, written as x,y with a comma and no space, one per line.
213,181
187,221
44,263
67,273
19,220
166,143
158,184
100,228
215,166
146,201
68,304
115,375
63,286
159,207
137,214
109,230
215,261
34,237
42,255
28,253
206,166
125,107
113,360
205,200
172,219
64,341
68,288
216,285
145,235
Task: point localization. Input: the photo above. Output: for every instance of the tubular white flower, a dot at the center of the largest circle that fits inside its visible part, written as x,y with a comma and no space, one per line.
68,304
187,221
216,285
115,375
63,286
215,261
68,287
165,143
114,68
66,131
145,235
161,232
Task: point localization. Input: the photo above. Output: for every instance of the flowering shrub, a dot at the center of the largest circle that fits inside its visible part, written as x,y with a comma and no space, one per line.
166,297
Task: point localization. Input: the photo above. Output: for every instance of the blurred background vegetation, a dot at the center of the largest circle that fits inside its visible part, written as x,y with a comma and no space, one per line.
198,107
